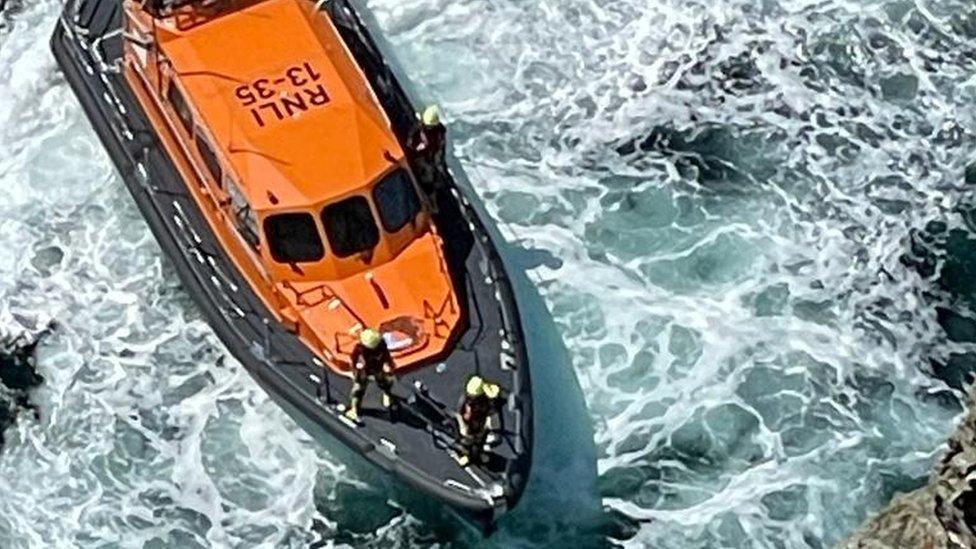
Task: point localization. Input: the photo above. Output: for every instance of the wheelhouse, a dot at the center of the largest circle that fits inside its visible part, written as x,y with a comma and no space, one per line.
301,169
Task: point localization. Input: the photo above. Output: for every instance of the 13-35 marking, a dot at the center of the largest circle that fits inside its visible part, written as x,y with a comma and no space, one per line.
291,93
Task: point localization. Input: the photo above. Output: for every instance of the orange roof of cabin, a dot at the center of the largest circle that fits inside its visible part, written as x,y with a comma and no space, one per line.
310,156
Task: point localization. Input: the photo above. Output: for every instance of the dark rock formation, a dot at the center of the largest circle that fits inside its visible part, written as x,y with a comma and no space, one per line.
18,375
940,515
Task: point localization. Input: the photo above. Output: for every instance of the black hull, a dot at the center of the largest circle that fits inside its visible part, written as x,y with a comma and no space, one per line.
415,447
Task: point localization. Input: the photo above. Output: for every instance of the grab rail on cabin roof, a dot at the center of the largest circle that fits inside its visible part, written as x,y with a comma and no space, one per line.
163,7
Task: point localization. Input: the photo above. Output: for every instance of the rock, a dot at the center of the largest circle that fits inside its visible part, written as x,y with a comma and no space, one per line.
18,375
908,521
17,368
939,515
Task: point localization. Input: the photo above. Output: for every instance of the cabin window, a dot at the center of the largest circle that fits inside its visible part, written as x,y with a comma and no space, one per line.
244,218
210,160
396,199
180,107
349,226
293,238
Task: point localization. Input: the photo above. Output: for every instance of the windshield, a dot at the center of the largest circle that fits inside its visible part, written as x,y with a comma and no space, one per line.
349,226
293,238
396,199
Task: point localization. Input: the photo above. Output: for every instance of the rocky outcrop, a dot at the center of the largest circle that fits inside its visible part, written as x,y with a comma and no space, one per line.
18,375
940,515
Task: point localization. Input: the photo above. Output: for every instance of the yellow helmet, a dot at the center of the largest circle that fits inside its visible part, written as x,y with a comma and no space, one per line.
478,386
431,116
370,338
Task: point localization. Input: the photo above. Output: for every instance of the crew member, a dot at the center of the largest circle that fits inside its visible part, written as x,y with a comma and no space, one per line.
429,145
475,410
370,359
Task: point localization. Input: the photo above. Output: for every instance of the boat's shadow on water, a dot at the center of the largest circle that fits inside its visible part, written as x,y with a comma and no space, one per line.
561,503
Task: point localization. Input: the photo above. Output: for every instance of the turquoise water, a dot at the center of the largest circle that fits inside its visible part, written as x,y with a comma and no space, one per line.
723,205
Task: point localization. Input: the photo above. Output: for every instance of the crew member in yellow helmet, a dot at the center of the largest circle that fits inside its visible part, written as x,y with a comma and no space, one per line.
429,146
370,359
475,410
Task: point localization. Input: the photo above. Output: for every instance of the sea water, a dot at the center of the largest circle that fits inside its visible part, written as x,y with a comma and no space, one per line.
749,221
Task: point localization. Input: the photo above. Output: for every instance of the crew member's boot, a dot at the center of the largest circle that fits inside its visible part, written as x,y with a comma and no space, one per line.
353,411
463,457
385,381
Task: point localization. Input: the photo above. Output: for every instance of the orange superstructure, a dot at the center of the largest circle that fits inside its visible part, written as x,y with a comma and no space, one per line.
284,145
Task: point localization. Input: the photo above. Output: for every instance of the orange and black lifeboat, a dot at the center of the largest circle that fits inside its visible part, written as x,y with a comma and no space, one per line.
265,143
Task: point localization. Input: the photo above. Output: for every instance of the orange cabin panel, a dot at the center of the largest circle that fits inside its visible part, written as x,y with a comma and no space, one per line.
292,124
